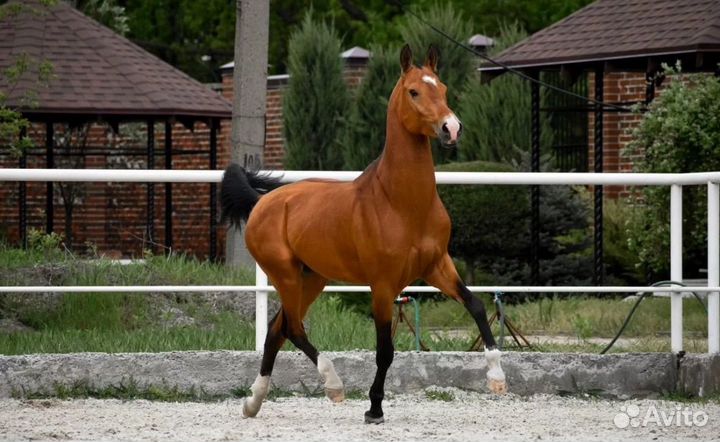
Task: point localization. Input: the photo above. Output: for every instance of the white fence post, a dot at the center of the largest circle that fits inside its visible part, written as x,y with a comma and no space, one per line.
713,299
676,267
261,309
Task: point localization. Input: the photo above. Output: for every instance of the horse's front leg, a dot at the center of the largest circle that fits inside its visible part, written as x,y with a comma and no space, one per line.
382,304
444,276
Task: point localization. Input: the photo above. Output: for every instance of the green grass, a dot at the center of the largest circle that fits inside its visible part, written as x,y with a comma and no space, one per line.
439,395
690,398
579,316
129,390
131,323
224,336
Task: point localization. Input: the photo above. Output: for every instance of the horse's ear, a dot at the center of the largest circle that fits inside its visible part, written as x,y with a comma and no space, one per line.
405,58
431,60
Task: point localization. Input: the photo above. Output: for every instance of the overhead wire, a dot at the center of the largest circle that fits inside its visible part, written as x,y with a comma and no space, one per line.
507,67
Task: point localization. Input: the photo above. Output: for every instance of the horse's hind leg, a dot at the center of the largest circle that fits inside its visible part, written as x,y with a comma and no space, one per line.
273,342
312,285
287,324
445,277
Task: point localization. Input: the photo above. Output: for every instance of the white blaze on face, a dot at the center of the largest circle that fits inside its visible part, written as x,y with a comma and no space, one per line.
453,126
429,80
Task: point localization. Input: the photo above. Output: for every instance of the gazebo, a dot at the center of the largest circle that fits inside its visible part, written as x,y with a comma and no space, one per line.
606,38
100,76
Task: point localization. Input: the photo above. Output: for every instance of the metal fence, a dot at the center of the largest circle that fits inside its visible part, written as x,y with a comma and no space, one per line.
261,287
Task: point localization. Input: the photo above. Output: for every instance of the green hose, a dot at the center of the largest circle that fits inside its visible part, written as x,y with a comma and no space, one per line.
417,322
637,303
404,300
501,318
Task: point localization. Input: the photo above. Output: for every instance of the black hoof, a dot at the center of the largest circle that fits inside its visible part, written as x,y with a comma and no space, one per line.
370,418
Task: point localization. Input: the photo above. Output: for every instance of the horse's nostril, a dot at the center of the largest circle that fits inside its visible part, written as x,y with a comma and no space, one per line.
445,128
460,129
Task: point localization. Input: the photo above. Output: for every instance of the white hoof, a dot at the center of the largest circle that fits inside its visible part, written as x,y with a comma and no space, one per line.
251,407
336,395
497,386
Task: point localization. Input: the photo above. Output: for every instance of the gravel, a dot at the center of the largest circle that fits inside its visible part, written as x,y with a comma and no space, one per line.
435,414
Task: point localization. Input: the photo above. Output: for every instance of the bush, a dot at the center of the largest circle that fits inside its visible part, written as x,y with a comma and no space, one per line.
316,98
364,136
491,231
622,265
496,115
483,230
679,133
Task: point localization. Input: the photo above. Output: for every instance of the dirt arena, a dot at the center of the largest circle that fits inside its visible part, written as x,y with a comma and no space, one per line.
436,414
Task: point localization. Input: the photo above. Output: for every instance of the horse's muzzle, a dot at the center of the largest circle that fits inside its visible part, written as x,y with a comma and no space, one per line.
450,131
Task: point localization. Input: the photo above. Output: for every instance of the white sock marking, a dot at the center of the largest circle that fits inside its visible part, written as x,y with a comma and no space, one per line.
327,371
495,371
259,389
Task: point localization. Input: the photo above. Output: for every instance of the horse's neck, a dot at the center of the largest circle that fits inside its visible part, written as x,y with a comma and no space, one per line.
406,171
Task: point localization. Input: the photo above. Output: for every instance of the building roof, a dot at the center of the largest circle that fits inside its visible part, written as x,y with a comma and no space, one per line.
620,30
96,72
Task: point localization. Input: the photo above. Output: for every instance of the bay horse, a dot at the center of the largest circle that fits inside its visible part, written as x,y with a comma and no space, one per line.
385,229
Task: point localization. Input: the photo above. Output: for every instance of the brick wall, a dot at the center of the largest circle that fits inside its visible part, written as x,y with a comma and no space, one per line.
274,152
112,216
619,87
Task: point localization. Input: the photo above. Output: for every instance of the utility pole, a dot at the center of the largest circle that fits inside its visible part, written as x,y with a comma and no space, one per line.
248,116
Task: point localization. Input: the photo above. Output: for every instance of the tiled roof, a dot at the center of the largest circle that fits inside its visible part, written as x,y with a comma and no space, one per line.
617,29
96,71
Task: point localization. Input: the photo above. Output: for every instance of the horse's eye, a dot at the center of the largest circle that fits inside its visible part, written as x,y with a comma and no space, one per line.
413,93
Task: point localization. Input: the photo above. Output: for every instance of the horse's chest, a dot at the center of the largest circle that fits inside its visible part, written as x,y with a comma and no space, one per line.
415,243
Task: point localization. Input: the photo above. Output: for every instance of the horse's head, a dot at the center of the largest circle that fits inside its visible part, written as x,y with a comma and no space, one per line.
422,105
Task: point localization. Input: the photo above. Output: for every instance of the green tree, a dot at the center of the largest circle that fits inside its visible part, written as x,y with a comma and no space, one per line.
197,36
24,67
364,136
679,133
496,115
367,23
194,36
489,16
107,12
316,99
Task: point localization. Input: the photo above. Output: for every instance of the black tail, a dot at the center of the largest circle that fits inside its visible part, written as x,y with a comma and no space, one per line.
240,190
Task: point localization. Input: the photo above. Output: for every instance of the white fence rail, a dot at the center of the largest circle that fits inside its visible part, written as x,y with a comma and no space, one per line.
261,287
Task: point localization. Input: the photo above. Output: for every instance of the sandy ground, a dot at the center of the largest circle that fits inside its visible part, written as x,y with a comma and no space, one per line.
467,417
